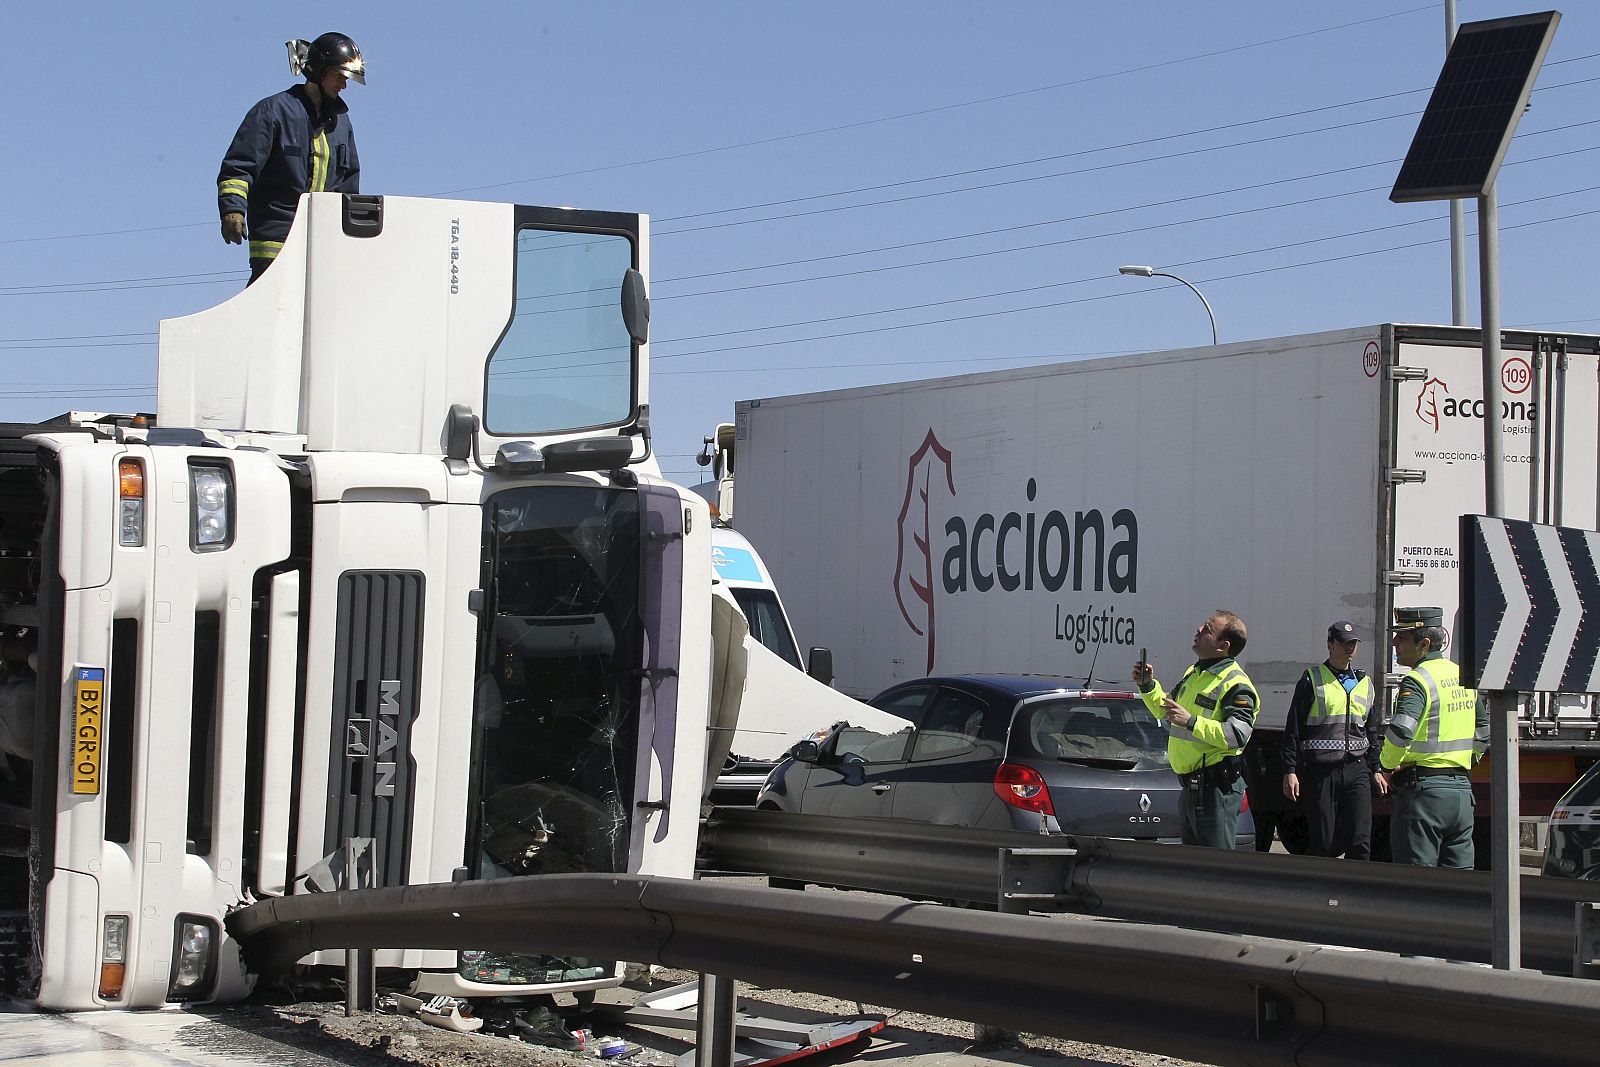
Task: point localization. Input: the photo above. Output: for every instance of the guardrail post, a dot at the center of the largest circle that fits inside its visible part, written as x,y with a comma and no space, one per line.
713,1044
360,969
1035,878
1586,943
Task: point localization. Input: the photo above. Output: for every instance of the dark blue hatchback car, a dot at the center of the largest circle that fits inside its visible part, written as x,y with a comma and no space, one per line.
1018,752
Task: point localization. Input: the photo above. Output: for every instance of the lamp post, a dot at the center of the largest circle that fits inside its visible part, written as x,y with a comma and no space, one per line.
1136,271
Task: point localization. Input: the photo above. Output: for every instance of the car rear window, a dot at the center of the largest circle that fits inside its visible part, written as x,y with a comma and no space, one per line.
1088,729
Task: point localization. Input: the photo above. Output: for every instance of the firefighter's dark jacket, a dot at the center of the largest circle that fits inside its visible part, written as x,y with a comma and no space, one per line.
283,148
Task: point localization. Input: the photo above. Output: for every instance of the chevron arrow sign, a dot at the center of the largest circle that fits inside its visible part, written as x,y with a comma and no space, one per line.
1530,606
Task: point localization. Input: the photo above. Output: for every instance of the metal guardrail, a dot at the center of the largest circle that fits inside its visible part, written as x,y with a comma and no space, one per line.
1217,998
1380,906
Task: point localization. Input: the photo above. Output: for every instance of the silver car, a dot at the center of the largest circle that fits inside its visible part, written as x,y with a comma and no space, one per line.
1026,753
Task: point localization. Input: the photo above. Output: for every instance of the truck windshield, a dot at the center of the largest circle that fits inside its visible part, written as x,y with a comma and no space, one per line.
767,624
566,362
556,706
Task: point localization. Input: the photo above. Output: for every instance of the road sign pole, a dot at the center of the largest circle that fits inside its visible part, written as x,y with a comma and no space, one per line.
1458,214
1493,389
1506,849
1505,781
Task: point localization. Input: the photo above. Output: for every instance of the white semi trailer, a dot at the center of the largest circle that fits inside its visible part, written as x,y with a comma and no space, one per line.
392,561
1058,519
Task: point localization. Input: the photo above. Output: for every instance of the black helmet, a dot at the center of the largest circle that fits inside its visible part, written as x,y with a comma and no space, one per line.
331,51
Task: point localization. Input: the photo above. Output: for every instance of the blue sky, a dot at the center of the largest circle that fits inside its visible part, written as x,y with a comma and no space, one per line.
841,193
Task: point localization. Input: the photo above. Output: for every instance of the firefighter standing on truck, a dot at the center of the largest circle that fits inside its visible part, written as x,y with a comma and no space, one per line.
1210,717
293,142
1438,731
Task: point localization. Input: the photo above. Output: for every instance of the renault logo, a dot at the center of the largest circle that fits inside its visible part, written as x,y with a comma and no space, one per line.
1144,802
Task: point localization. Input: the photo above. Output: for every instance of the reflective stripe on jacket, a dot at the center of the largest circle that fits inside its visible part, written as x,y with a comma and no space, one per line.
1224,703
1336,725
284,148
1444,729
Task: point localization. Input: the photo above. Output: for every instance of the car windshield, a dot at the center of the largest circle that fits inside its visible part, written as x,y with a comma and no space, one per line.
1100,730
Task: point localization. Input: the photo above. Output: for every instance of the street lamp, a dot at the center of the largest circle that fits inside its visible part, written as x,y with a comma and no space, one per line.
1136,271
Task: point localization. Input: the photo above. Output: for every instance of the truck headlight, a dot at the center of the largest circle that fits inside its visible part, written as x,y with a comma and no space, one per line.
211,500
193,958
113,956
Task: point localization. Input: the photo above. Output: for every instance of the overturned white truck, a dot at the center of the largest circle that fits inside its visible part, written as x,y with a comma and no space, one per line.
392,561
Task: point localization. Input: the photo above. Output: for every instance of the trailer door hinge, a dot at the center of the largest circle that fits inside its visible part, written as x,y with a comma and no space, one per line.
1406,374
1400,475
652,805
655,673
1402,577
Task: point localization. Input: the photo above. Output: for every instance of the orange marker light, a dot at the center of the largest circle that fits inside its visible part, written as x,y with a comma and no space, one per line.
130,479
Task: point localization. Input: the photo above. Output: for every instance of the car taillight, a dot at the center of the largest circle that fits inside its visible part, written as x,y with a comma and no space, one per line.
1022,787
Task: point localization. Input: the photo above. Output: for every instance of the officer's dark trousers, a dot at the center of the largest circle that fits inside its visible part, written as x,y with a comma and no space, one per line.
257,267
1432,824
1210,814
1338,799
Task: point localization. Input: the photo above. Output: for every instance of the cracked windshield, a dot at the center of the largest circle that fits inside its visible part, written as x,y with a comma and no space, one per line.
556,704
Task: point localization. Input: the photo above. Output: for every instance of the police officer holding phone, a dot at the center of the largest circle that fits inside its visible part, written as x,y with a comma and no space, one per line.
1210,716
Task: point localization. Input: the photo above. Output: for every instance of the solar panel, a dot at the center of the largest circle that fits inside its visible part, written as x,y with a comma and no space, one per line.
1474,109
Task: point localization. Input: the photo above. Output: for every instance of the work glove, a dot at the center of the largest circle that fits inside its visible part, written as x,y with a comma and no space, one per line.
233,227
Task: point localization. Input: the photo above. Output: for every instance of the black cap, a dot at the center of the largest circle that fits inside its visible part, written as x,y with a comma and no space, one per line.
1342,631
1417,618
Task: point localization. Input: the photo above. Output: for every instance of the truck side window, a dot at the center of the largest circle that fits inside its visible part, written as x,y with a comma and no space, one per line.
566,361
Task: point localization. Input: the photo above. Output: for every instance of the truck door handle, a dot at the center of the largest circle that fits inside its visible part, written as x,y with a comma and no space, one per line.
881,787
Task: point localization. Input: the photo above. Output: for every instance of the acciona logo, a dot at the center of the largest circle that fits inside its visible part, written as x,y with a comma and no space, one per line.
1026,549
1435,405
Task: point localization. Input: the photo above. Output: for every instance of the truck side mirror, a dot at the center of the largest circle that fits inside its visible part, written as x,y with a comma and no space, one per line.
460,432
635,306
819,664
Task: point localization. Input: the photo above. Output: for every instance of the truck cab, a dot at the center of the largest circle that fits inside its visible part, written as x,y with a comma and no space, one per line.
389,590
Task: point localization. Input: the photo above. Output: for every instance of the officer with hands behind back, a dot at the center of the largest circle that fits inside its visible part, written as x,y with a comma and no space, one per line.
1438,731
1210,716
1330,750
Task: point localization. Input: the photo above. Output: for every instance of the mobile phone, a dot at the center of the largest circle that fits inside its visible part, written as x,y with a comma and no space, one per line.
1144,657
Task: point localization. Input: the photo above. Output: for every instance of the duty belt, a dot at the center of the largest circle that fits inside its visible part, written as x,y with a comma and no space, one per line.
1407,777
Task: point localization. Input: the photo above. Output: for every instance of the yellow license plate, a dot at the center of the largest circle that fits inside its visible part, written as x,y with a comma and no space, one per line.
88,728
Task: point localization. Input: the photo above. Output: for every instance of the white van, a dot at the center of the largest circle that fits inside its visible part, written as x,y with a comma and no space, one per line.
738,566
